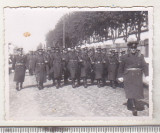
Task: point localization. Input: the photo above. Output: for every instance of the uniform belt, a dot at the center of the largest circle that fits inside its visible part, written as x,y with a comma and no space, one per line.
19,64
40,63
72,60
133,69
112,63
98,62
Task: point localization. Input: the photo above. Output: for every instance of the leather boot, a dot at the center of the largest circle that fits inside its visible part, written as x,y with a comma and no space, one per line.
57,84
85,83
21,85
53,82
134,111
73,83
113,85
132,106
78,82
98,83
17,86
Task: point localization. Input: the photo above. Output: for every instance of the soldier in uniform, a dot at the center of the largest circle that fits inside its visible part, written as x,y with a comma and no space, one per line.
91,54
19,66
85,66
64,64
113,63
131,68
47,57
51,73
57,67
73,63
79,53
40,67
98,66
105,73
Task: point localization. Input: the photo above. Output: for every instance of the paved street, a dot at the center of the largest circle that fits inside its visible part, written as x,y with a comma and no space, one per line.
33,104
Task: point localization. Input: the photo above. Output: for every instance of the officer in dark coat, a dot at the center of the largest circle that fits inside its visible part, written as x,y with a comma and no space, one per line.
84,66
57,67
64,65
79,53
131,68
73,63
113,63
91,55
105,73
98,66
19,65
40,67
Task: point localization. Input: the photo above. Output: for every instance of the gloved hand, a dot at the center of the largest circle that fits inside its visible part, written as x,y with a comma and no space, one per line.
12,71
120,79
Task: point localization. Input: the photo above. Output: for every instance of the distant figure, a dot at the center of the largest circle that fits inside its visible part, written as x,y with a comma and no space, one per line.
98,62
40,68
85,66
19,66
112,68
56,67
73,63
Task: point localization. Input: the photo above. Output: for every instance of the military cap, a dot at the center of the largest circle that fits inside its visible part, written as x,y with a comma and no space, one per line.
132,43
48,48
57,49
19,49
53,48
98,48
72,48
39,48
112,51
122,52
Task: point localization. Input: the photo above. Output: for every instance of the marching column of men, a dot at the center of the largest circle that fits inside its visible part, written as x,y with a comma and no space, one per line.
76,64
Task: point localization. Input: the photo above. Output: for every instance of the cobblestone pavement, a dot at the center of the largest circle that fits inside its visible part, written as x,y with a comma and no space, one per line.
33,104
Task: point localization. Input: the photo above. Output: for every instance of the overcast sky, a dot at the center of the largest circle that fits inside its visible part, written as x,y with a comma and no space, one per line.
37,21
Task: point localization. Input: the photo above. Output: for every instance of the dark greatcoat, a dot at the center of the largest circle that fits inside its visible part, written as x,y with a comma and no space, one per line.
98,65
64,65
40,68
48,59
19,65
73,64
112,67
79,54
131,69
51,72
85,65
56,67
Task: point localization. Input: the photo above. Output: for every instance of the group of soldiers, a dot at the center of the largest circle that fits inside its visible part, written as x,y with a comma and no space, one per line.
78,64
73,64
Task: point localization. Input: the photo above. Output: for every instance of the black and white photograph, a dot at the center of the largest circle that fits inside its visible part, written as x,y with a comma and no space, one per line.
78,63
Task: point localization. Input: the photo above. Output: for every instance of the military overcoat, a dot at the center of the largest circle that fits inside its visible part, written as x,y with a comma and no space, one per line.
112,67
73,62
40,68
98,65
56,67
19,65
131,69
85,65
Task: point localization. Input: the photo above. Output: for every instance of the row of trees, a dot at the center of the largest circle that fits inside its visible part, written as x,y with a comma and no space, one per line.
97,26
